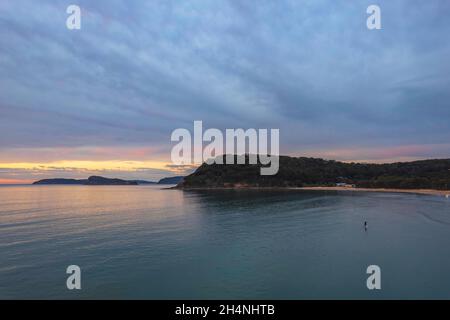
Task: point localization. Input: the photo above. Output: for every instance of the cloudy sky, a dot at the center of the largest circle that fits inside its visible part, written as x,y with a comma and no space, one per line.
105,99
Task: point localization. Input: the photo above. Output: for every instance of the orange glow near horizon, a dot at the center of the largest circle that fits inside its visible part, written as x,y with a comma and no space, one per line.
15,181
86,165
23,171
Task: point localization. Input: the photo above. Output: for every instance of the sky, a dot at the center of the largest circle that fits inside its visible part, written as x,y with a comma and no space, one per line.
105,99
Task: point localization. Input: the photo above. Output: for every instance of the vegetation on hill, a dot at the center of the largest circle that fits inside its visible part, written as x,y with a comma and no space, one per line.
303,172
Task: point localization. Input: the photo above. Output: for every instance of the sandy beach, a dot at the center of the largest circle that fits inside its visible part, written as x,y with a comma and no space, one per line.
444,193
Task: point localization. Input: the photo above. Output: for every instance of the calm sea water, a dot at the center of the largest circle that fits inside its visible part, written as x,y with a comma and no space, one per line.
147,243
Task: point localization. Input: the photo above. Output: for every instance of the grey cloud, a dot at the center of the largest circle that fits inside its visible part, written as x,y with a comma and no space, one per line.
139,69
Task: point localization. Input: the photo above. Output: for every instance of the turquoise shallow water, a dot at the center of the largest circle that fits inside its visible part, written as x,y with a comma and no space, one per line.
147,243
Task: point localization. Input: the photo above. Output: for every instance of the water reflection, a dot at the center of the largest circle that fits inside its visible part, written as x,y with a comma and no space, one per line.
145,242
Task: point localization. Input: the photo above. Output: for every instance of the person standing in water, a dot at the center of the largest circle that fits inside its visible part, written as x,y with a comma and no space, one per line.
365,225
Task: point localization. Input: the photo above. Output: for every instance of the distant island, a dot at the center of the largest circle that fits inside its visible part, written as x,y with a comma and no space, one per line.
303,172
101,181
171,180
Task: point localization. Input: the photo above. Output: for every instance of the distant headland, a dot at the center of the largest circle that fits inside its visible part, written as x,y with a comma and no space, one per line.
311,173
102,181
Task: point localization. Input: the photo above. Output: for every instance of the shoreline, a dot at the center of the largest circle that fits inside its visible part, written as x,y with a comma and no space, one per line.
443,193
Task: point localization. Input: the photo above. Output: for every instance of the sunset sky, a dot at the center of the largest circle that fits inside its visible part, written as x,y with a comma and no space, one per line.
104,99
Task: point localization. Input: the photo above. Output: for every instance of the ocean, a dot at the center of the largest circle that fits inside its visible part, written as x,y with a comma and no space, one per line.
144,242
